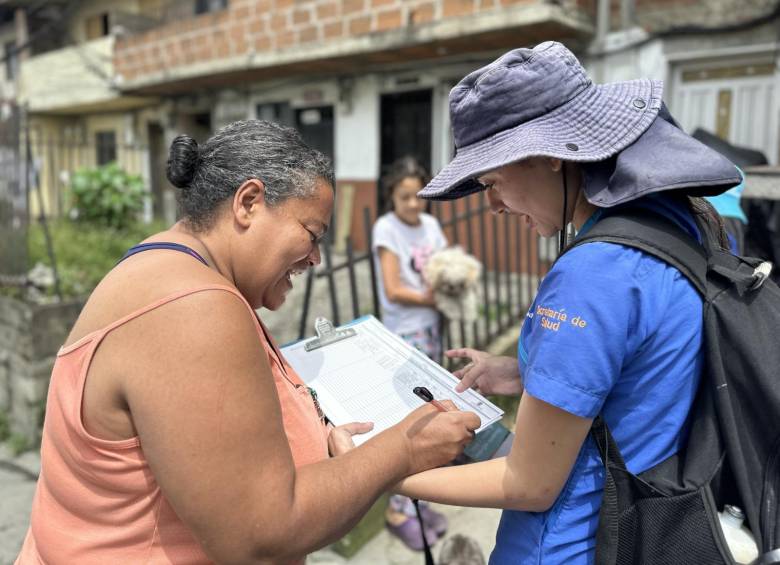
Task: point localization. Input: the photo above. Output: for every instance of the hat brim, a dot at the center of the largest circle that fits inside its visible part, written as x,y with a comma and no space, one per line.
594,125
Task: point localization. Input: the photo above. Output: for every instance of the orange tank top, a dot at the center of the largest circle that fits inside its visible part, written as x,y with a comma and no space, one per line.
97,501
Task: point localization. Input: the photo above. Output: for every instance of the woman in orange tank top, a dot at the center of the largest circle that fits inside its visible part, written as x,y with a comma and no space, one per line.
175,431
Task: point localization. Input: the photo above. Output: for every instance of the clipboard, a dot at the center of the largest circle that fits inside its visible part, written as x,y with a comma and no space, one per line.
361,371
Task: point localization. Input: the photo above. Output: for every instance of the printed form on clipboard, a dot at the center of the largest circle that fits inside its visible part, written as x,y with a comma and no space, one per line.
362,372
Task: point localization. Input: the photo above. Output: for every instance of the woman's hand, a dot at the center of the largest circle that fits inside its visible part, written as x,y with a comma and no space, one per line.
340,437
434,438
486,373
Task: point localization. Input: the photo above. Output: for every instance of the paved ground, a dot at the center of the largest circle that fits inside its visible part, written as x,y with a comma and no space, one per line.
17,484
477,523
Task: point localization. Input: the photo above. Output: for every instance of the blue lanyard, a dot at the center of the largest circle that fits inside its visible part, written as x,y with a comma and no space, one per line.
590,222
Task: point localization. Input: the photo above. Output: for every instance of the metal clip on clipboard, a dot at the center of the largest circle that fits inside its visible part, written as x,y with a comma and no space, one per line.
327,334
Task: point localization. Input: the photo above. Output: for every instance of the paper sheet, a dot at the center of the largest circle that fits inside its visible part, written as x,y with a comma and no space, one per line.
370,377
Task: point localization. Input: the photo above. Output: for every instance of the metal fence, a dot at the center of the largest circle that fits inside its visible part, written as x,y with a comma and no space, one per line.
36,169
514,260
56,156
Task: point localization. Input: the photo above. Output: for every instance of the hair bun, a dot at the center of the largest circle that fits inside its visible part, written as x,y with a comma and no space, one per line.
182,161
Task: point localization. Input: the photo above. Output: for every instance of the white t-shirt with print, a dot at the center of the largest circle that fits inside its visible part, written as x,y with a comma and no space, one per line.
413,245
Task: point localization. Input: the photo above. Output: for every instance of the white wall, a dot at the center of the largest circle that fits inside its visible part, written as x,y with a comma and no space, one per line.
645,61
357,130
755,111
443,144
355,104
754,116
357,107
77,75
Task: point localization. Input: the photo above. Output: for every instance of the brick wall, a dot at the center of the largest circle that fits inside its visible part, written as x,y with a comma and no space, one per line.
365,196
263,26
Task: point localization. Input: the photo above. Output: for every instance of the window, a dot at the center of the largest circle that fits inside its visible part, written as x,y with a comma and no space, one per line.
205,6
97,26
315,124
277,112
316,128
105,144
11,60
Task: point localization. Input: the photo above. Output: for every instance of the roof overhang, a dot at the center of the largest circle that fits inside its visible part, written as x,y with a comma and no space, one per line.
439,41
109,105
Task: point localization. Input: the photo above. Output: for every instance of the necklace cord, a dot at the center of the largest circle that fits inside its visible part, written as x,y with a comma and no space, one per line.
562,235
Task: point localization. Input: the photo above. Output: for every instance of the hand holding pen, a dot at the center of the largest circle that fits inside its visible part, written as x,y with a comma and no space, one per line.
436,437
427,396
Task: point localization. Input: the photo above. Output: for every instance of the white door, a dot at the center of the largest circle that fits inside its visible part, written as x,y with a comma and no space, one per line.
734,101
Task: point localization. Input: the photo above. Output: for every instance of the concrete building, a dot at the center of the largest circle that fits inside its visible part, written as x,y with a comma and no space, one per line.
10,60
719,59
367,81
65,84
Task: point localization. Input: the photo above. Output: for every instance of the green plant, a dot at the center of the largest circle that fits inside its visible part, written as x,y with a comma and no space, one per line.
18,443
12,292
84,252
107,196
369,526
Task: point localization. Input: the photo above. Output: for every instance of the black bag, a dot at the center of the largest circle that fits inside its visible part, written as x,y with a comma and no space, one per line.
668,514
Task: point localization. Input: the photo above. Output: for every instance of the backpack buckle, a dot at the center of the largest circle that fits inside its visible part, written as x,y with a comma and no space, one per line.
760,274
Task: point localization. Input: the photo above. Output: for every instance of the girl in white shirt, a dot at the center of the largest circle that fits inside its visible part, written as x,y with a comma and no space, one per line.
403,240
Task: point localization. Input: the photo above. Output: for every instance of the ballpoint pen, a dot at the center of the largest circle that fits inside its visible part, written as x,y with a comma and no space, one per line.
426,395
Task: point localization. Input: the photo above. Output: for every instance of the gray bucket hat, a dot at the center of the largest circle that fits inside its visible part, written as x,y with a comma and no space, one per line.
539,102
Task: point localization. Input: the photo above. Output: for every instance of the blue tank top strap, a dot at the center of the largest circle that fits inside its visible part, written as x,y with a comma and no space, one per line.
162,245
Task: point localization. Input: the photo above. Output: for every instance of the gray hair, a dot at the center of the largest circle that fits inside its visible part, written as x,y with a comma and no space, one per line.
249,149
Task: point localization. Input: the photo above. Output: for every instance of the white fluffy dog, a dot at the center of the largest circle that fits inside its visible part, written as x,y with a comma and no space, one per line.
453,275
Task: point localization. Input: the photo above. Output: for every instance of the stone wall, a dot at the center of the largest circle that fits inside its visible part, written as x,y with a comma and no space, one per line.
30,335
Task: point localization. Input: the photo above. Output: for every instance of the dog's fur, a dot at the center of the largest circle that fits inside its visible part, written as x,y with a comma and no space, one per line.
454,275
461,550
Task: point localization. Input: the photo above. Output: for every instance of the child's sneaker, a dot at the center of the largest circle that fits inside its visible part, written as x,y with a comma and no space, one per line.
406,527
433,520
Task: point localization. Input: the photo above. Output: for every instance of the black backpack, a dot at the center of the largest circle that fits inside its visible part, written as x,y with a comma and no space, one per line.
669,513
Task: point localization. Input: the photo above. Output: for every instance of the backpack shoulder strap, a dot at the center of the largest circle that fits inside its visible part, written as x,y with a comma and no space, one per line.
653,234
661,238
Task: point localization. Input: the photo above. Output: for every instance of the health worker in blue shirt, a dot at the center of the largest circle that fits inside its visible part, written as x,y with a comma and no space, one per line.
613,331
